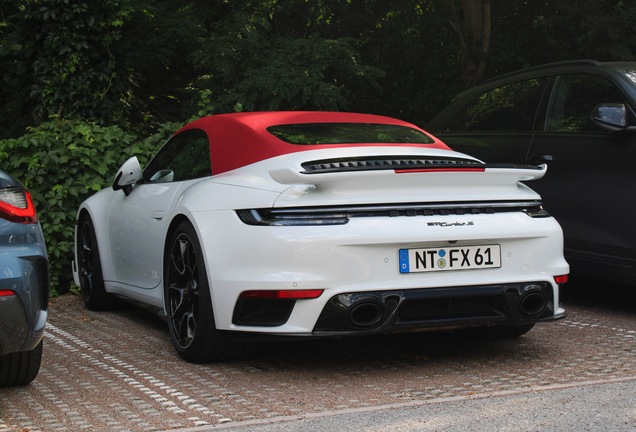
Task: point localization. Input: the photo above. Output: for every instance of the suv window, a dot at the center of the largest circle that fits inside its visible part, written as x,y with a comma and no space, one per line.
512,107
185,156
575,97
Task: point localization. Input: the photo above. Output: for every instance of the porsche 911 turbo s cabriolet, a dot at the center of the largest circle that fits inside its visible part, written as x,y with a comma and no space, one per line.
316,224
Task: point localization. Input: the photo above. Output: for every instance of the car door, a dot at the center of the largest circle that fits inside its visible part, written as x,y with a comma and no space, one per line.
498,125
138,222
590,181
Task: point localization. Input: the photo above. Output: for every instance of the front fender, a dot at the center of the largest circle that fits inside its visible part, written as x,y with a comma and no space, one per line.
96,207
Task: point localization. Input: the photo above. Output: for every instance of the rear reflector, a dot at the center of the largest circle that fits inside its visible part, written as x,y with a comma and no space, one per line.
561,279
6,293
291,294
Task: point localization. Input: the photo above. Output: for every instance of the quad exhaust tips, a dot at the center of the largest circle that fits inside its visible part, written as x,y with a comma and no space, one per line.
370,313
428,308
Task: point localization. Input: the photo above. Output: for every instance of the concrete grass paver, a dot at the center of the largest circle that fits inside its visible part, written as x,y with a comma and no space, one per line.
117,371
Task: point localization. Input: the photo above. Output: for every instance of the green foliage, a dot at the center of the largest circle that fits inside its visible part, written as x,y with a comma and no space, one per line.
143,66
63,162
69,54
534,33
251,64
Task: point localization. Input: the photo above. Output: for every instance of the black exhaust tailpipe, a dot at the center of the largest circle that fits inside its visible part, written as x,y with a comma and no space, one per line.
366,313
533,303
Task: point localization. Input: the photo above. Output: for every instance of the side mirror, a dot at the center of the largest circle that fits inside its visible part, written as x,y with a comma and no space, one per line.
611,117
540,158
128,174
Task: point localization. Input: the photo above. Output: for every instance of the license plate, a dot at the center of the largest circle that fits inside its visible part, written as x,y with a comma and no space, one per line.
450,258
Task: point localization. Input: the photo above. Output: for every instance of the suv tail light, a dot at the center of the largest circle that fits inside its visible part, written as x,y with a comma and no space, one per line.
16,205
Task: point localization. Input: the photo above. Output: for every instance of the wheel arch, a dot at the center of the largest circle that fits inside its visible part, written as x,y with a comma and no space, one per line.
100,234
174,223
172,228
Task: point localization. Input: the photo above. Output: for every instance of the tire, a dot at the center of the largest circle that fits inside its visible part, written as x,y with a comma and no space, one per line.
90,269
20,368
494,332
188,303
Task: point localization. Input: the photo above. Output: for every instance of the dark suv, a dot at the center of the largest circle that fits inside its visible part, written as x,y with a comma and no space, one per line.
578,116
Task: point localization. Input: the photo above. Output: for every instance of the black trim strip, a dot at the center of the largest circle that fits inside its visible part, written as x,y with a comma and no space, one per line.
340,215
399,163
385,163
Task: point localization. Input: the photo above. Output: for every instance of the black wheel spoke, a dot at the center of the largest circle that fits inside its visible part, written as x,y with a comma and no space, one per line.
183,291
89,268
86,257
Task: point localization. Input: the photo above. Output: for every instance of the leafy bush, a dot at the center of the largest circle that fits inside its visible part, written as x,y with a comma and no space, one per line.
63,162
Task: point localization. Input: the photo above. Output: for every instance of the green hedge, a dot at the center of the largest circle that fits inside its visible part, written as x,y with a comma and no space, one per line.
63,162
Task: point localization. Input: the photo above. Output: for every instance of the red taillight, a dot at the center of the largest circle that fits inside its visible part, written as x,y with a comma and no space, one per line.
16,205
561,279
420,170
286,294
4,293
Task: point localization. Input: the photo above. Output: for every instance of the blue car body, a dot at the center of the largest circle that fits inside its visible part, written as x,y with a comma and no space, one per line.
24,285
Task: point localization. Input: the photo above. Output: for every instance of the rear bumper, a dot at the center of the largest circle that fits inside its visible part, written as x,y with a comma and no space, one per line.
438,308
393,311
24,307
361,259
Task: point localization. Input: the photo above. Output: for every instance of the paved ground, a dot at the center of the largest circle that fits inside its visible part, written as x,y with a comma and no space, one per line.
605,407
117,371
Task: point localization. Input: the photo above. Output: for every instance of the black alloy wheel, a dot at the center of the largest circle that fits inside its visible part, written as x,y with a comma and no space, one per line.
183,293
90,269
189,305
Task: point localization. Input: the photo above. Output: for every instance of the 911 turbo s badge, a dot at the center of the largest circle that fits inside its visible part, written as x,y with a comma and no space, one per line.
447,224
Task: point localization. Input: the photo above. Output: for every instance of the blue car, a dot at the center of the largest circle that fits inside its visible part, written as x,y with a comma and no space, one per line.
24,285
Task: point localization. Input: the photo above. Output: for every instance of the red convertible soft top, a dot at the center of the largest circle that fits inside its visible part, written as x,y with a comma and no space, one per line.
237,140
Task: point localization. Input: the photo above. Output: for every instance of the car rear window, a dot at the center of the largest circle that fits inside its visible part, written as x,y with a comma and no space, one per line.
348,133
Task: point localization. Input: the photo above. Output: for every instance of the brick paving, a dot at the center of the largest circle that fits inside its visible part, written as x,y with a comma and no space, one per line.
117,371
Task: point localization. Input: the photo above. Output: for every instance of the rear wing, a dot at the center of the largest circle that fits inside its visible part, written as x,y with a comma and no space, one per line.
343,170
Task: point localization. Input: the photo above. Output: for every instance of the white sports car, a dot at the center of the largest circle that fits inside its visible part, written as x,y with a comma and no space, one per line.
316,224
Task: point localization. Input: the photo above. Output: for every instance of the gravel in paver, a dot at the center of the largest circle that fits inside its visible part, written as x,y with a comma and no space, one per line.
117,371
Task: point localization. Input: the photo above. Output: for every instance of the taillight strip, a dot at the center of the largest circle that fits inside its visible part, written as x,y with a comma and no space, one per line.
282,294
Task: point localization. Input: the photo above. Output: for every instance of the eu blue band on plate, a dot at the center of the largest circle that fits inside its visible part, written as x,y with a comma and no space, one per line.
404,261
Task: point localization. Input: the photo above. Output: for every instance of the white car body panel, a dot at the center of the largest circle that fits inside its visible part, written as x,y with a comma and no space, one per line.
134,219
344,259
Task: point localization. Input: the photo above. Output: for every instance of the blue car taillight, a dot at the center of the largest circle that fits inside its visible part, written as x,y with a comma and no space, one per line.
16,205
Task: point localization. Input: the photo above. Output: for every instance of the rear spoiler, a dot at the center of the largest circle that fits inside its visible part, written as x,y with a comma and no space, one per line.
335,172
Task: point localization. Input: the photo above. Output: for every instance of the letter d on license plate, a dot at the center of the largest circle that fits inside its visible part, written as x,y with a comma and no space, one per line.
452,258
